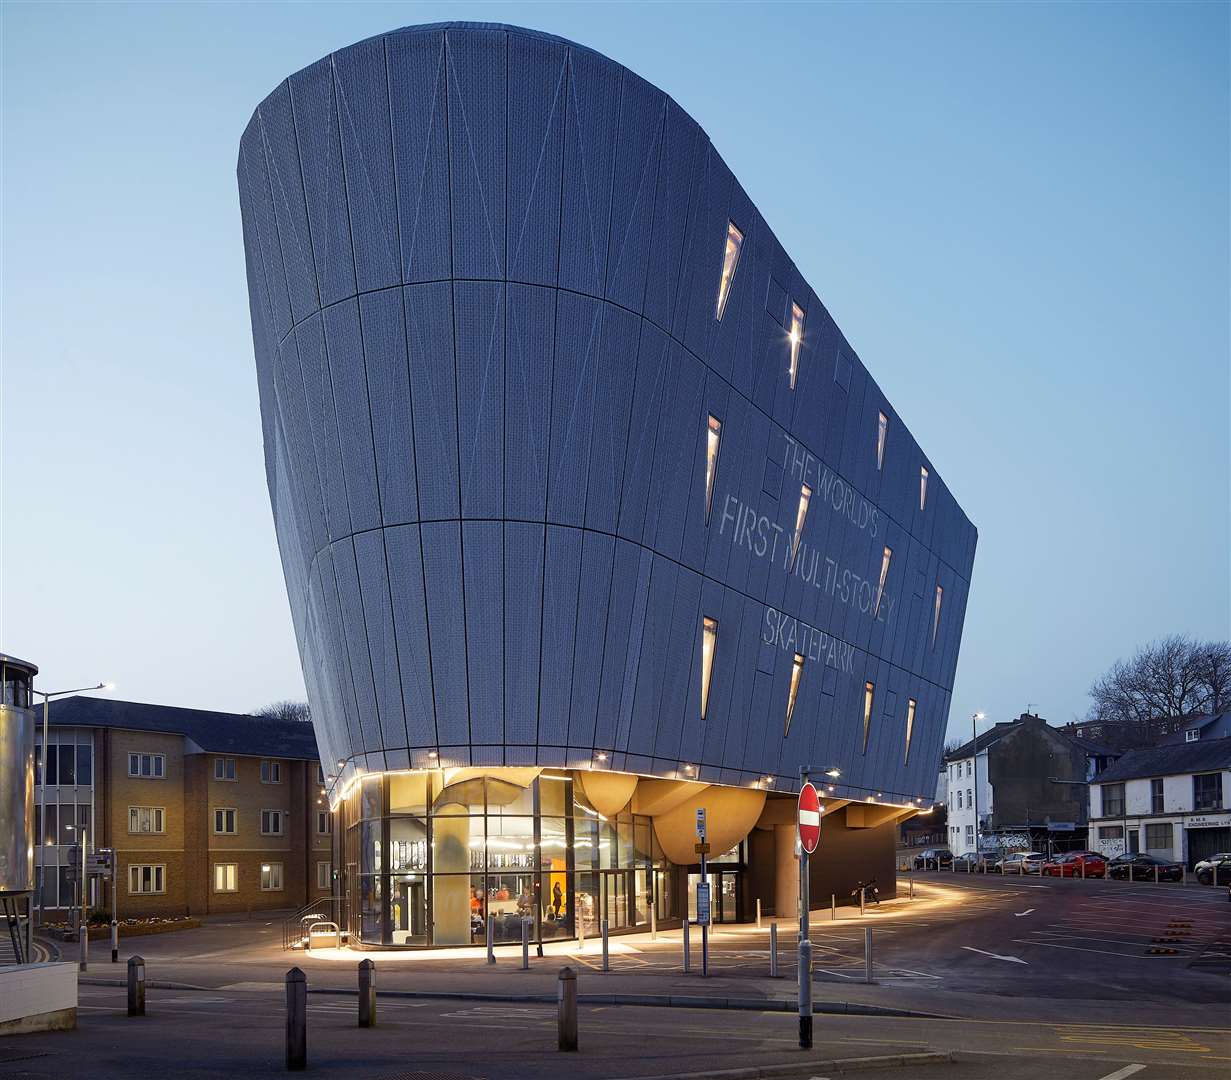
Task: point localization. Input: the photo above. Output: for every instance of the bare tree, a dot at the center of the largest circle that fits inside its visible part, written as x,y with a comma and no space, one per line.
1164,684
285,710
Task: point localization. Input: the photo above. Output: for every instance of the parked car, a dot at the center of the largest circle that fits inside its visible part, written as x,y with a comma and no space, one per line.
934,859
970,863
1020,862
1076,864
1216,870
1142,867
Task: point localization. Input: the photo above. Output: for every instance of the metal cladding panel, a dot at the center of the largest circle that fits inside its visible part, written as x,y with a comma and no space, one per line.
477,61
523,606
382,322
419,118
433,388
348,377
479,318
561,582
446,622
361,87
483,551
382,640
406,584
589,159
320,156
537,102
277,128
530,347
483,267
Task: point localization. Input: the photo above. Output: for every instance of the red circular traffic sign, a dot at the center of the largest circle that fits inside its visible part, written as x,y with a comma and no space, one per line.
809,819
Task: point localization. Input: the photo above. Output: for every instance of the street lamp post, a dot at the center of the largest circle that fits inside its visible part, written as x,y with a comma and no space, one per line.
47,695
974,749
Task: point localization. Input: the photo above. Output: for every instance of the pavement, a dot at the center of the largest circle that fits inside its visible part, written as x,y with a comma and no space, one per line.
1019,976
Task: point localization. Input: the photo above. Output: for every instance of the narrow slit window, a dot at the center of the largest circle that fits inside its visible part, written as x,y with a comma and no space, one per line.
882,430
886,555
709,643
730,260
797,674
801,515
797,337
940,595
923,486
868,691
711,462
910,727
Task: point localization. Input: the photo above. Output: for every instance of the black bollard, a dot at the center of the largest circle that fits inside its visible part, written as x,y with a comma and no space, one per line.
567,1004
367,994
296,1020
136,986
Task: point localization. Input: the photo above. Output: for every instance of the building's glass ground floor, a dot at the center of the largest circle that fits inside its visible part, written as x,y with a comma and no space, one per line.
427,856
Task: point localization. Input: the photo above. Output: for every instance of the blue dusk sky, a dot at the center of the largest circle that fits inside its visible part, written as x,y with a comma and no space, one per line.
1018,214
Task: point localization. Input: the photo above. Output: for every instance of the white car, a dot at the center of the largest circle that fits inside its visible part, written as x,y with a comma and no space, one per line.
1021,862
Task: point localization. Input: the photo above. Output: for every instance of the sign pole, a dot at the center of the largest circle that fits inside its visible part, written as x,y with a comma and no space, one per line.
703,896
805,942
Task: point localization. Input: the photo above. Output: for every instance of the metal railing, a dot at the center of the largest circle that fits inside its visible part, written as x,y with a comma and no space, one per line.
332,909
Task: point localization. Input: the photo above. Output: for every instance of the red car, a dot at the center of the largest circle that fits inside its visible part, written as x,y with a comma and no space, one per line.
1076,864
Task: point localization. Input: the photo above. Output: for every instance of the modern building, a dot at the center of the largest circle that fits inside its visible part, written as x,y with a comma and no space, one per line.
206,812
1170,801
1026,783
590,515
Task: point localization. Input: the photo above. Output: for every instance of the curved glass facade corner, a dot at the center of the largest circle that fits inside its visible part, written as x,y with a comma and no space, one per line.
427,856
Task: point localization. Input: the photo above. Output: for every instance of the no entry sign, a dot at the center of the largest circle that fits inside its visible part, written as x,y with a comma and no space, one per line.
809,819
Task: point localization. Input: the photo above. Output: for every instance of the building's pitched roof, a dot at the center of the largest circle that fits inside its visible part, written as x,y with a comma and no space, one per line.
1198,723
968,749
1171,760
1094,749
215,732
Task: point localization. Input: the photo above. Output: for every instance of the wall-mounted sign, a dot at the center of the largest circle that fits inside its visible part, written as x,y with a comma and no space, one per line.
1208,821
703,903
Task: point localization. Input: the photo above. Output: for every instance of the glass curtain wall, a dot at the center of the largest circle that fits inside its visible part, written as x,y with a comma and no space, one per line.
428,856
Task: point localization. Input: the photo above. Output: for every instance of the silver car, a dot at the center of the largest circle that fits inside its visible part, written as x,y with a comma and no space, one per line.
1021,862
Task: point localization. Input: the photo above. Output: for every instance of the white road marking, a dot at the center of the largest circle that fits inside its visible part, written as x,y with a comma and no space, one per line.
995,956
1123,1074
1102,952
1019,914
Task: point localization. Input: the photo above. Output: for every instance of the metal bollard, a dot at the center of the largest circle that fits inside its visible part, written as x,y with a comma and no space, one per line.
491,938
833,907
581,934
83,939
115,942
606,955
653,922
367,994
525,944
1083,869
910,880
296,1020
758,913
862,890
773,950
867,954
687,958
1155,882
566,998
136,986
805,993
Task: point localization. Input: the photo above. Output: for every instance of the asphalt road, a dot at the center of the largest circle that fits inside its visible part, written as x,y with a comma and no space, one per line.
1018,977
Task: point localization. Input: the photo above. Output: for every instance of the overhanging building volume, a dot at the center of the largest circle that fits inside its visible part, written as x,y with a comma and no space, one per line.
575,482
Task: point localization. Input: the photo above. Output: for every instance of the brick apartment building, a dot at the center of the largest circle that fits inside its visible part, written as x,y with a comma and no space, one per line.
207,812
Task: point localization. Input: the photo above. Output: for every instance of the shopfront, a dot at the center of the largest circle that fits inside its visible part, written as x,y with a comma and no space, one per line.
427,856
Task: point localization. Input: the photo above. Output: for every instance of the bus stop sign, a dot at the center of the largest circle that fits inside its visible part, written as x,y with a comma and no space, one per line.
809,819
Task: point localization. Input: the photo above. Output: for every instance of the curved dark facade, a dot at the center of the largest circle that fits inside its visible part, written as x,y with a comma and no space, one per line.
484,268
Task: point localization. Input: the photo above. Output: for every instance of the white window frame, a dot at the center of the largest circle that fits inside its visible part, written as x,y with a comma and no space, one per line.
155,815
324,817
324,875
157,763
271,877
231,877
223,766
1192,735
233,821
275,817
157,876
271,771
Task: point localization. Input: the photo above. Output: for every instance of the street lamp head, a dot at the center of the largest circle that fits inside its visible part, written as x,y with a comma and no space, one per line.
980,716
834,772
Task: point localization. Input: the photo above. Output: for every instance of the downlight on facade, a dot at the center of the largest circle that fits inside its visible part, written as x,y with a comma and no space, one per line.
507,301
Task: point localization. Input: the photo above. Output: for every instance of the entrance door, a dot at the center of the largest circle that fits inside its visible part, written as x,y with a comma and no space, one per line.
727,894
617,898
